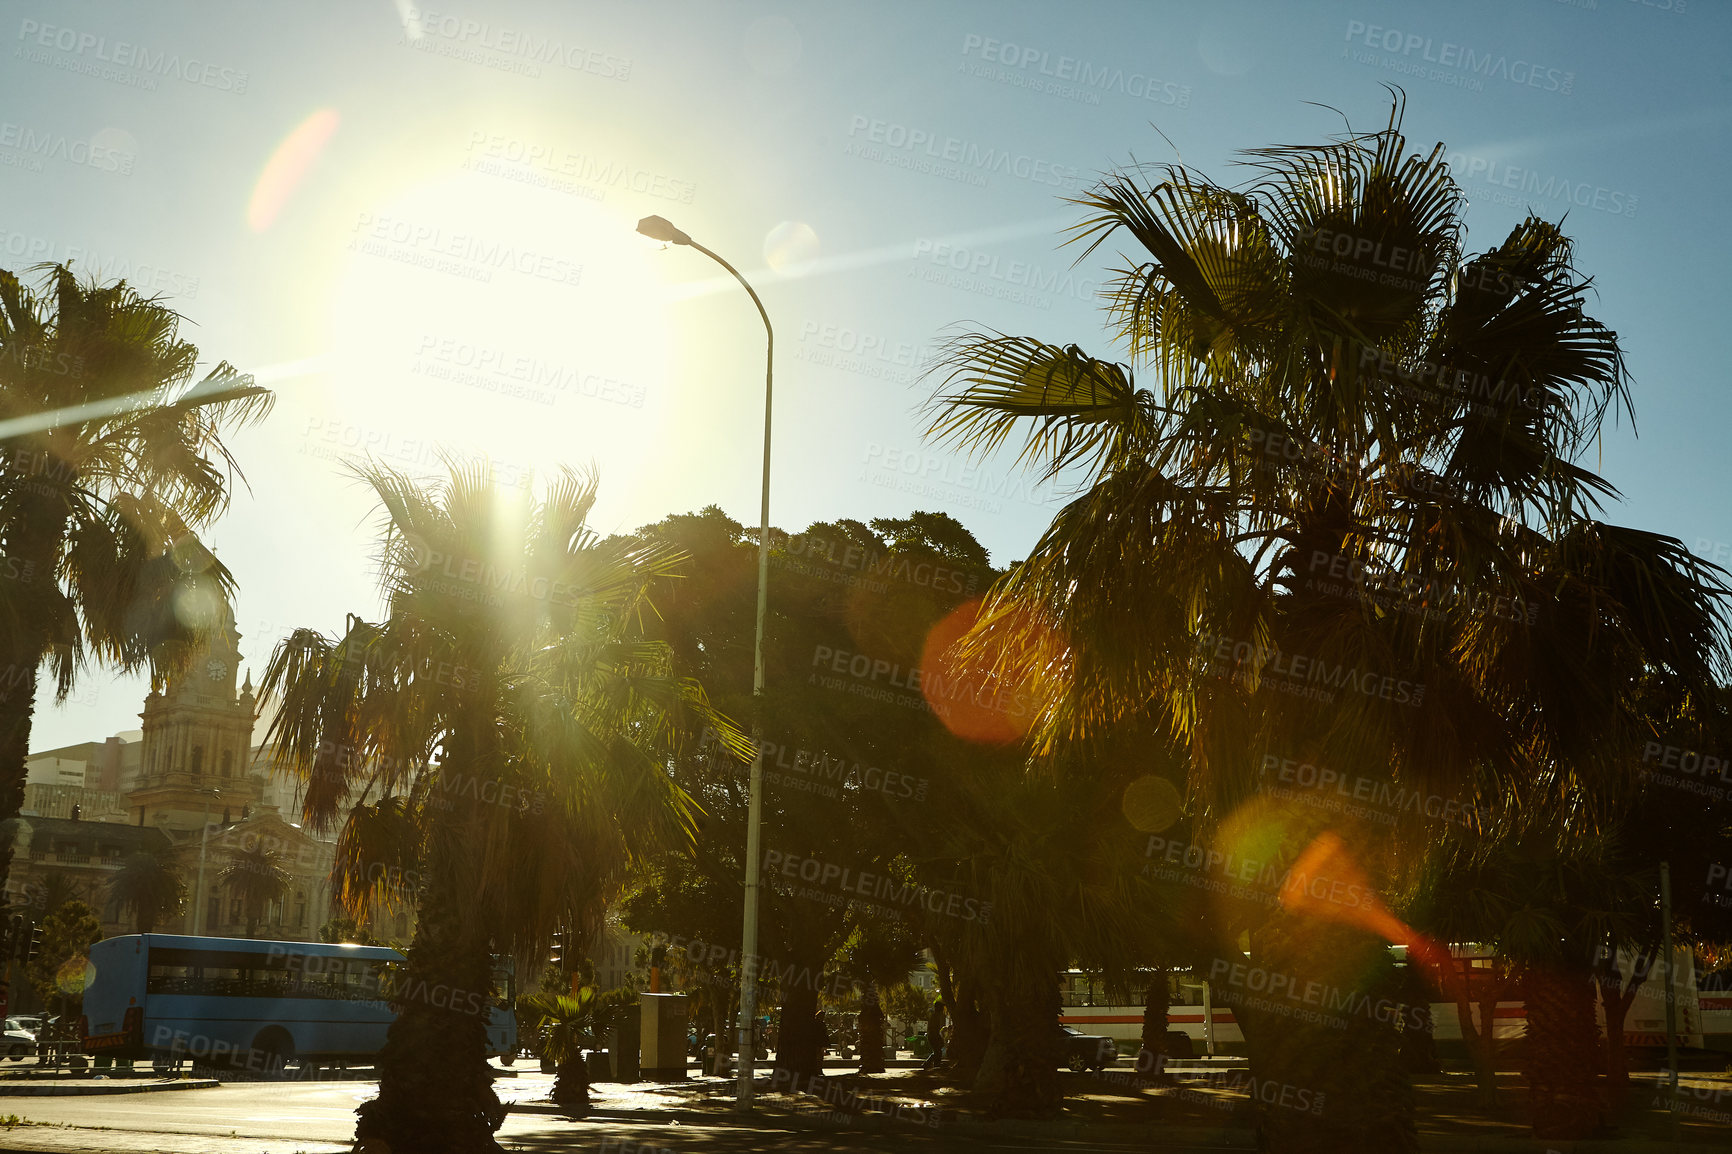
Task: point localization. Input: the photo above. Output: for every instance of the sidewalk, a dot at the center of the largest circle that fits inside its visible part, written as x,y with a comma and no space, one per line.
40,1087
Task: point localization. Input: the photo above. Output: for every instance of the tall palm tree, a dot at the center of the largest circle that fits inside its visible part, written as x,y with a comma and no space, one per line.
149,888
517,730
255,877
1347,526
111,455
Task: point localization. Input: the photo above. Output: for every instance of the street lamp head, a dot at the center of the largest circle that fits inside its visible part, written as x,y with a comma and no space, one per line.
662,229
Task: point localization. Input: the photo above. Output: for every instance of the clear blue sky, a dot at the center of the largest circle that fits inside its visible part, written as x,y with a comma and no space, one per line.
416,223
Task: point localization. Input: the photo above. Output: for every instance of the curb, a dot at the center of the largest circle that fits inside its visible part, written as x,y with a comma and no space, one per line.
118,1088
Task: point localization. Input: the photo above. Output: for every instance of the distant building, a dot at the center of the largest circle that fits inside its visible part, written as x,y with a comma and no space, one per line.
191,784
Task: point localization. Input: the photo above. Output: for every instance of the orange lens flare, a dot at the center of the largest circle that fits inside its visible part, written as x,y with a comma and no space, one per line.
288,166
1327,882
974,702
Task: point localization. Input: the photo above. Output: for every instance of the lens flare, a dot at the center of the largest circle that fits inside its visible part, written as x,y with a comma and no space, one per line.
973,701
1327,882
288,166
1151,804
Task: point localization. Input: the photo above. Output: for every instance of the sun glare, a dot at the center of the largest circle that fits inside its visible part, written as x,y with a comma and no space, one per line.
479,315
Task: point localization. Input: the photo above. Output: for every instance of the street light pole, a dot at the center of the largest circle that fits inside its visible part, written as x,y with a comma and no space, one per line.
198,926
660,229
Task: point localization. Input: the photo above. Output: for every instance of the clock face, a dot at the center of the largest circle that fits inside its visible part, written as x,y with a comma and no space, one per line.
215,670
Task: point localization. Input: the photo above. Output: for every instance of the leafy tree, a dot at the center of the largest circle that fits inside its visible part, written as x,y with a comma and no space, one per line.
57,973
114,456
255,877
345,929
1358,466
149,888
518,723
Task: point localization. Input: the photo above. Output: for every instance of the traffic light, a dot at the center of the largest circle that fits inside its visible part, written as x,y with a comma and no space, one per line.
557,956
14,936
34,946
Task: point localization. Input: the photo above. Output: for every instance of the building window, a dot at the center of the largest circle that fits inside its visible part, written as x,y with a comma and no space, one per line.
228,761
197,760
213,914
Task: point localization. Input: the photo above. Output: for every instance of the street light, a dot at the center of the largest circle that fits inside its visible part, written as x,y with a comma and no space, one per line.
658,228
198,926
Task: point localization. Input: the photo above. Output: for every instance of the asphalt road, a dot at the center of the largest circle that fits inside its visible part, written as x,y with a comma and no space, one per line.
318,1118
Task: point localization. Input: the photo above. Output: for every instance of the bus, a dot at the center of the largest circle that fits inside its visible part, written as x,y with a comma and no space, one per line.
260,1005
1703,1014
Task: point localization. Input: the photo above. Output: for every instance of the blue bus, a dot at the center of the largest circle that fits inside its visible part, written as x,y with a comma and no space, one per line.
260,1005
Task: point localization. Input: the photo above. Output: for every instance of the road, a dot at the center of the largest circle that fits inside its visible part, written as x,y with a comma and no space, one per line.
318,1118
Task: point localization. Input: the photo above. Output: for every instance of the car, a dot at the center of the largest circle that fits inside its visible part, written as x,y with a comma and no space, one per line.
1087,1051
29,1023
17,1044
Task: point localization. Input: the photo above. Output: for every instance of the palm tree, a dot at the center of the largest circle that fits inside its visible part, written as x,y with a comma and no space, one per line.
571,1023
517,729
111,454
256,877
149,888
1355,481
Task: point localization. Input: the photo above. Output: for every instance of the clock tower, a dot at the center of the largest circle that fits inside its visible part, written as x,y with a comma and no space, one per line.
198,734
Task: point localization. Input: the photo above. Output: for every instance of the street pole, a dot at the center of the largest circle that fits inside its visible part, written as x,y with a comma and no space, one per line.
659,229
1671,998
203,840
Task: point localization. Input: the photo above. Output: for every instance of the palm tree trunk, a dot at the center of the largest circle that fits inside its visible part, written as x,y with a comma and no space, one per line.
1156,1005
970,1030
17,711
1019,1070
871,1031
1617,1004
799,1044
1334,1084
435,1089
1559,1053
571,1083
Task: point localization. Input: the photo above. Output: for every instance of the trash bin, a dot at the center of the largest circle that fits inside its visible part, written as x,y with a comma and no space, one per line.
600,1065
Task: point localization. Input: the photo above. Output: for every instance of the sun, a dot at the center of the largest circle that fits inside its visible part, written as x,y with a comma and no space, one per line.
480,314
